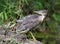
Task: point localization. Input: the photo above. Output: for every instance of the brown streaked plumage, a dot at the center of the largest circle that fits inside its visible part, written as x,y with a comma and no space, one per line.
31,21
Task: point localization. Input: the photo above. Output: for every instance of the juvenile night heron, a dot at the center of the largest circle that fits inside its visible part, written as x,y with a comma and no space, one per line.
30,21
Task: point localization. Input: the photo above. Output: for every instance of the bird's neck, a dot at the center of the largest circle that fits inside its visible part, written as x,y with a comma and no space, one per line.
41,18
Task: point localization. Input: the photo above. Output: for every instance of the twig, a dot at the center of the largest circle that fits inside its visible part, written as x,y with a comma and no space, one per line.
32,36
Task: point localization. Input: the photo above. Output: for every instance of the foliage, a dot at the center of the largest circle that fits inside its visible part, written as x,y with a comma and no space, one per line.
10,10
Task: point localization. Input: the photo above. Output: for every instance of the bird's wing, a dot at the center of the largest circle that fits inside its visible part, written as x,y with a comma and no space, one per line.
28,23
24,19
27,27
28,18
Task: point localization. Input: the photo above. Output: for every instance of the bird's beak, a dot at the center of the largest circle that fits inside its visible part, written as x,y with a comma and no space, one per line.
41,12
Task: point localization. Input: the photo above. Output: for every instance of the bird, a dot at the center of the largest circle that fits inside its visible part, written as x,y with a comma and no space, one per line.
30,21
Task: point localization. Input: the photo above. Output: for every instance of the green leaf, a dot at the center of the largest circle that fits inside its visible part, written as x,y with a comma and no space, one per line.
2,16
6,17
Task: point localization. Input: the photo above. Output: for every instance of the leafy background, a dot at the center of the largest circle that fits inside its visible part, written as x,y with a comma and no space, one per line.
11,10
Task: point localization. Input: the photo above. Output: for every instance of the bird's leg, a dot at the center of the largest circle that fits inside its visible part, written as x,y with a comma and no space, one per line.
25,31
32,36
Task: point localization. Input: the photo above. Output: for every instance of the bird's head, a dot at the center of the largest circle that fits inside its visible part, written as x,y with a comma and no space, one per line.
41,12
